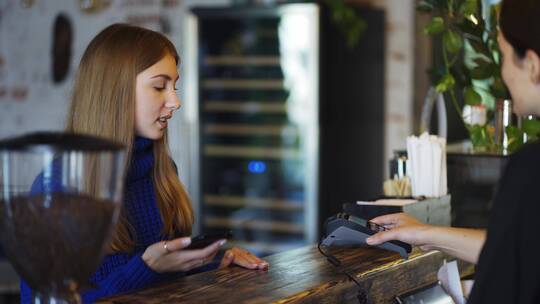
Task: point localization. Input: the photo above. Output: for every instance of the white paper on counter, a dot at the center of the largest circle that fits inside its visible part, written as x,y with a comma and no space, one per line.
388,202
448,275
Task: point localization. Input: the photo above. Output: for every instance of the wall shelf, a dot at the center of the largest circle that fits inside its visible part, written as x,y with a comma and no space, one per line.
251,152
247,107
254,224
243,60
243,84
245,129
248,202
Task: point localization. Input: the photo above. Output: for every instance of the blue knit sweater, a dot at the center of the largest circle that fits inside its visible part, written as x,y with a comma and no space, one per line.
120,273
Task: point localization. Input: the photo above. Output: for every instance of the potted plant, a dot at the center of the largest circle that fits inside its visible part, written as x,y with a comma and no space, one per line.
471,69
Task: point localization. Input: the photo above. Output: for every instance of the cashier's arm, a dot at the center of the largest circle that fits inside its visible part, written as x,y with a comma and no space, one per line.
462,243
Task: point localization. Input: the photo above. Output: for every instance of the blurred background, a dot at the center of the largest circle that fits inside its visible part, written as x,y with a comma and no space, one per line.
290,108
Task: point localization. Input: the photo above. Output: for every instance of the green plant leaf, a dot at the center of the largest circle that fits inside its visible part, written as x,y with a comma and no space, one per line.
435,4
446,83
532,138
436,26
498,89
471,96
494,16
515,138
461,76
480,136
425,7
479,46
347,21
483,62
453,42
354,33
468,7
475,29
482,72
531,127
436,74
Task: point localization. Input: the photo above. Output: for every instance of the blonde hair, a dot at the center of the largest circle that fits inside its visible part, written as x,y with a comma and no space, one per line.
103,104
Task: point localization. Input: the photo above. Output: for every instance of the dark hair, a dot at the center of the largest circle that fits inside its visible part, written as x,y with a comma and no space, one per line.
520,24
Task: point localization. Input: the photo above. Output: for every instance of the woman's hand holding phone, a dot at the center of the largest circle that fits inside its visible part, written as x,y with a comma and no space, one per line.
181,255
236,255
171,256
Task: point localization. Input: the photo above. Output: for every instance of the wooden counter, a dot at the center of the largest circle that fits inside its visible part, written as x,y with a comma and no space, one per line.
304,276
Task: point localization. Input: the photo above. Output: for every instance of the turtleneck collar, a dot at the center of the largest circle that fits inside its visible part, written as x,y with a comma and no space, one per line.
142,159
141,144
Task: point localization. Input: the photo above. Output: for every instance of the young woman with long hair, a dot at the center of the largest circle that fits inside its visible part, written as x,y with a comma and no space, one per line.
125,91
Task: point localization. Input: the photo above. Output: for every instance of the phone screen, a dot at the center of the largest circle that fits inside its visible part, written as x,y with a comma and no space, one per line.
375,227
205,240
368,224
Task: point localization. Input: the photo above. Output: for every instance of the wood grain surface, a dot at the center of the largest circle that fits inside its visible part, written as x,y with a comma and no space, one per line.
305,276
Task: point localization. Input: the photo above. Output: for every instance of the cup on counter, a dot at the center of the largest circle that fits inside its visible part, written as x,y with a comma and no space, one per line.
398,165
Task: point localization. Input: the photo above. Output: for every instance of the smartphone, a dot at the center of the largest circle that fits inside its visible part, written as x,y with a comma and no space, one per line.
368,224
375,227
204,240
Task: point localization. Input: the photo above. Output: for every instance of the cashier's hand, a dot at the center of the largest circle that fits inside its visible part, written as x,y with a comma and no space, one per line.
401,227
244,258
169,256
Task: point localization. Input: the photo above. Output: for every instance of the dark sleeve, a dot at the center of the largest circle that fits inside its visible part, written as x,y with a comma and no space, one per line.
508,269
111,279
131,276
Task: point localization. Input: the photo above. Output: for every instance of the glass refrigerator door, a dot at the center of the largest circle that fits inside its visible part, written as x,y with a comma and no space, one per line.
258,124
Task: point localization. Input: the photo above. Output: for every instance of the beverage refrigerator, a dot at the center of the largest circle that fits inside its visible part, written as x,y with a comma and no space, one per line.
277,150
